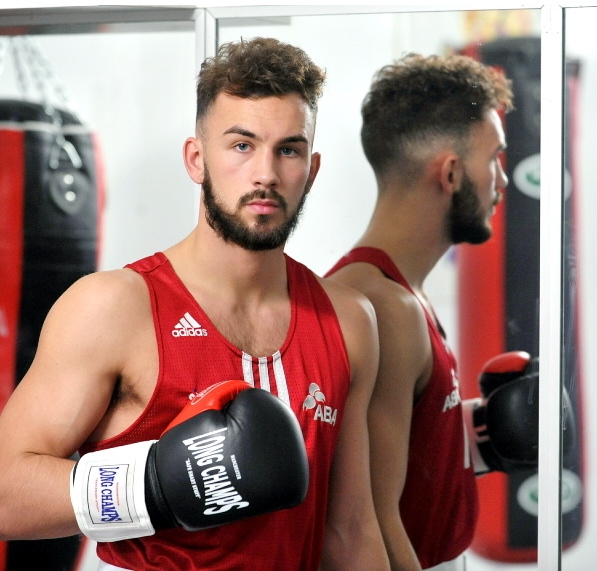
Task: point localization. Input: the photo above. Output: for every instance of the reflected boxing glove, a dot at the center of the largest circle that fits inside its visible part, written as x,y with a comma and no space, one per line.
503,425
233,452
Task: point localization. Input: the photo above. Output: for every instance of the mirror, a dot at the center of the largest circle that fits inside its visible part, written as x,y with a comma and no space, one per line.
342,199
579,309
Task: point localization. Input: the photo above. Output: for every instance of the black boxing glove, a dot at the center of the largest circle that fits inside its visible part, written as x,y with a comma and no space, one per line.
233,452
503,425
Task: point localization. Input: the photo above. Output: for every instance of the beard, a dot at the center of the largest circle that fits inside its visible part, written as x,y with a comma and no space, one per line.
466,221
231,228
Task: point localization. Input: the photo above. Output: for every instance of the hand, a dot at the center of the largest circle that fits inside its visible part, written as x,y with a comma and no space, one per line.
233,452
504,423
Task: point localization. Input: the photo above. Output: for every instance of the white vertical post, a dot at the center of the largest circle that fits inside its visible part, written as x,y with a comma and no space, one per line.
206,34
206,29
552,90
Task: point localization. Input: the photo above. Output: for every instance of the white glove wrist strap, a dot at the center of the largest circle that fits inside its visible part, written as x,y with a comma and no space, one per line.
107,492
473,435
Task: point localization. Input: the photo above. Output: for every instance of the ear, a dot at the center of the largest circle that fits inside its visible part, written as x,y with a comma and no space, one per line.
192,153
450,172
313,169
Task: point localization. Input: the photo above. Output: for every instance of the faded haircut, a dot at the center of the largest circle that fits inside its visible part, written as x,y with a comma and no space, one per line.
419,102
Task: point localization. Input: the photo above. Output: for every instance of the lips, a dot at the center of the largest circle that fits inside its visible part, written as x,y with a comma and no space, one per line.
263,206
263,201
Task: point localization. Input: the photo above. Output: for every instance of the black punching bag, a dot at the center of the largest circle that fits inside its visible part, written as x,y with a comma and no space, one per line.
508,307
51,198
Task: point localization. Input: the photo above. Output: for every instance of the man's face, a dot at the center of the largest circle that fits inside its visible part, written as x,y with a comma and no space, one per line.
473,205
258,168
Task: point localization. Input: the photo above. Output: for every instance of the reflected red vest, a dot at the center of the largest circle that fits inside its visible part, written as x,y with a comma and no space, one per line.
439,504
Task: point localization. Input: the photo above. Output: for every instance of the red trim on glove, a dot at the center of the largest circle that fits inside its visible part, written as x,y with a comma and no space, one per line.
214,397
509,362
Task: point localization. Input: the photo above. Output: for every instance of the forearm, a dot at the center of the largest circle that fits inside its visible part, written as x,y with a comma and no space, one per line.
362,550
34,498
400,552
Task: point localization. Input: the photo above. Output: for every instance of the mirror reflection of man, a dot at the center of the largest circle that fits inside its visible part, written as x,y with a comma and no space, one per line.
433,136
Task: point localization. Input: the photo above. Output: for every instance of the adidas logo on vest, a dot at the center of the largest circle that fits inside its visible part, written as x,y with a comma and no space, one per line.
188,327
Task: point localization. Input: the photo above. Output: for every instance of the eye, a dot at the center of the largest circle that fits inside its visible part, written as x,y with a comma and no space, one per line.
242,146
288,151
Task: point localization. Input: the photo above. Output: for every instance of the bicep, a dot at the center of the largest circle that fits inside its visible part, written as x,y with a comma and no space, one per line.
350,481
404,362
51,413
68,387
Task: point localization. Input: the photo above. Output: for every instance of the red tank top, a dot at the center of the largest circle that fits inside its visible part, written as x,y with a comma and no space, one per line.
310,372
439,503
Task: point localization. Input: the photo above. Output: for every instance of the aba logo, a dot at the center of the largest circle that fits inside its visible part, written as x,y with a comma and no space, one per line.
315,400
453,399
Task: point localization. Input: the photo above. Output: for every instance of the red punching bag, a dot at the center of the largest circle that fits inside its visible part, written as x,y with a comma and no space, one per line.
51,202
498,309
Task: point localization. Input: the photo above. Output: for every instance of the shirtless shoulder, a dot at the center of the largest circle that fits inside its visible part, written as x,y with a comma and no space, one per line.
356,316
103,309
98,335
104,324
404,336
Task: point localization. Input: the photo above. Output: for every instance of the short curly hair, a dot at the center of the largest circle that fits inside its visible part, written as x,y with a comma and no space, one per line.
418,100
259,67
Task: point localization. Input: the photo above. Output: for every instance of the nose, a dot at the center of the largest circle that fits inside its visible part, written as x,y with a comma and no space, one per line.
265,172
502,179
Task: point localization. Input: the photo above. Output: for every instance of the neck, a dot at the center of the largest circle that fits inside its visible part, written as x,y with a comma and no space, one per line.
411,230
206,262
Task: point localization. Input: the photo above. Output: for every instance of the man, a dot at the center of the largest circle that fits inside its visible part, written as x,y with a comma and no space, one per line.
122,351
433,136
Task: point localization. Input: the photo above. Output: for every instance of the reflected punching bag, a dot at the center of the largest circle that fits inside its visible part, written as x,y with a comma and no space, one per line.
498,310
51,201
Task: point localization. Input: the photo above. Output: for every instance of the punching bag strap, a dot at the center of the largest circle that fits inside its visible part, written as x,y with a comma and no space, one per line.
36,80
33,68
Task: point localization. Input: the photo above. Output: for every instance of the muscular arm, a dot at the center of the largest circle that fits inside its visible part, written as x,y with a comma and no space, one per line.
404,366
353,539
404,363
58,404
